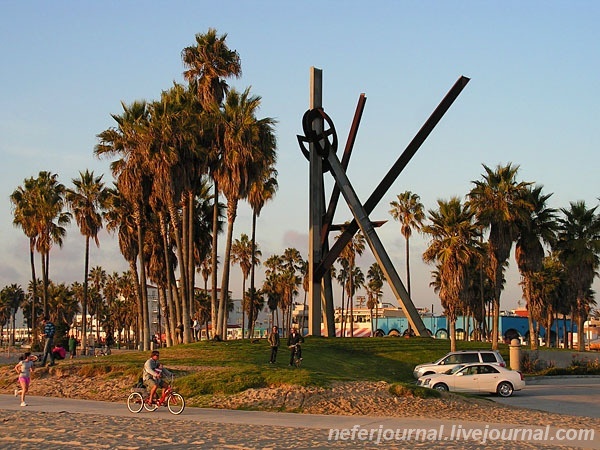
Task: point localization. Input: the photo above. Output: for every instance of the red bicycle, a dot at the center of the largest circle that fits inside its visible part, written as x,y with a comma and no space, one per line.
139,398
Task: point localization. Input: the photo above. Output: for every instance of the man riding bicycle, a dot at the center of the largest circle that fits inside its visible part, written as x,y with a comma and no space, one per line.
294,341
153,375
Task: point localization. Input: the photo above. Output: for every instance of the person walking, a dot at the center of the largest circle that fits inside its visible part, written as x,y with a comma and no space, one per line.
293,342
72,346
49,330
24,368
273,339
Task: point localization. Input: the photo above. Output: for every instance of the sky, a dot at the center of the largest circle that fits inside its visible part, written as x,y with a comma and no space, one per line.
532,101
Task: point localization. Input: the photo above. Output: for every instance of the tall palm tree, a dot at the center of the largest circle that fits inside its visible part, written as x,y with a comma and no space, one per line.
262,189
208,64
578,247
452,248
242,137
534,230
409,211
131,141
87,201
50,221
499,202
23,201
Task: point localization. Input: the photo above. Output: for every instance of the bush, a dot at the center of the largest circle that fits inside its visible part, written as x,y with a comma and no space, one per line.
411,390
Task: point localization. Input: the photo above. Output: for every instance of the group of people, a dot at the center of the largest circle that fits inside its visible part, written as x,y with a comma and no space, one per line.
293,343
25,366
154,372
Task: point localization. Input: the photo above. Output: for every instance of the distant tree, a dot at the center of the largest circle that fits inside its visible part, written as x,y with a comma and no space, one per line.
410,212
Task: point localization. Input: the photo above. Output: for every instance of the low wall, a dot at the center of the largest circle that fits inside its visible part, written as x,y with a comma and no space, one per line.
559,358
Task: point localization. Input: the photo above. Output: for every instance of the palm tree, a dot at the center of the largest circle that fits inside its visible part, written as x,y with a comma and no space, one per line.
208,63
534,230
291,264
453,247
87,201
356,246
12,296
375,279
242,137
241,253
39,211
131,141
262,189
578,246
409,211
23,201
499,203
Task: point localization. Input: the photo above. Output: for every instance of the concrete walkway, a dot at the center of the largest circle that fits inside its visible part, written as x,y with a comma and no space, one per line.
254,429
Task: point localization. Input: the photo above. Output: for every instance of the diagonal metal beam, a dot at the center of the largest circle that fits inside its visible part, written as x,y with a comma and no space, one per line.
384,261
335,194
393,173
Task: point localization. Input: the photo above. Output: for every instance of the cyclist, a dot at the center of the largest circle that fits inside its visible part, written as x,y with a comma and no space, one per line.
294,341
153,375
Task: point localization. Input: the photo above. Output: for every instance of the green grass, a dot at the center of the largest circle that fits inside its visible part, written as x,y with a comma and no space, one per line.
207,368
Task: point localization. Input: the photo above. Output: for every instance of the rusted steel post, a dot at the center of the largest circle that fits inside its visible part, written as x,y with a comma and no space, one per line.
316,207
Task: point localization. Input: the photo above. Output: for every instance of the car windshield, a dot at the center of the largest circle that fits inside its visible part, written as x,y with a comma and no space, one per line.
454,369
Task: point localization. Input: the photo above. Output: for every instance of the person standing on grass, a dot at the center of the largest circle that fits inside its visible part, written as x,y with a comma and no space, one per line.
273,339
49,330
24,369
72,346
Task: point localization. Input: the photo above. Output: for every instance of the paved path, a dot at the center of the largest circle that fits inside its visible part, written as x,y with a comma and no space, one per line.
575,396
51,423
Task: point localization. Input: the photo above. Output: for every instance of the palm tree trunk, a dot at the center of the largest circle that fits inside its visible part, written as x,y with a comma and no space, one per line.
177,232
213,294
145,325
84,302
251,318
243,306
408,272
580,329
452,332
496,322
222,319
44,283
33,291
533,342
191,265
175,309
169,299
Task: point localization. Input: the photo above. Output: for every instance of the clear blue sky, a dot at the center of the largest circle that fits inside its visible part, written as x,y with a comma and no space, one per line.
532,100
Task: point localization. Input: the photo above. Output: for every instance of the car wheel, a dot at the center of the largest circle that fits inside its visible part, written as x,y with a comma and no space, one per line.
441,387
505,389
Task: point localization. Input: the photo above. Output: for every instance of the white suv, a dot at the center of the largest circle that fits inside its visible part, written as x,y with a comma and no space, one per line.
453,359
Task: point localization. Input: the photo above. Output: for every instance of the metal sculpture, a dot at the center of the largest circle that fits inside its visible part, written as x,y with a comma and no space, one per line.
321,152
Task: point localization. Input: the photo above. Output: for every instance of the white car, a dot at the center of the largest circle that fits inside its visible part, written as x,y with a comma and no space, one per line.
454,359
478,378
